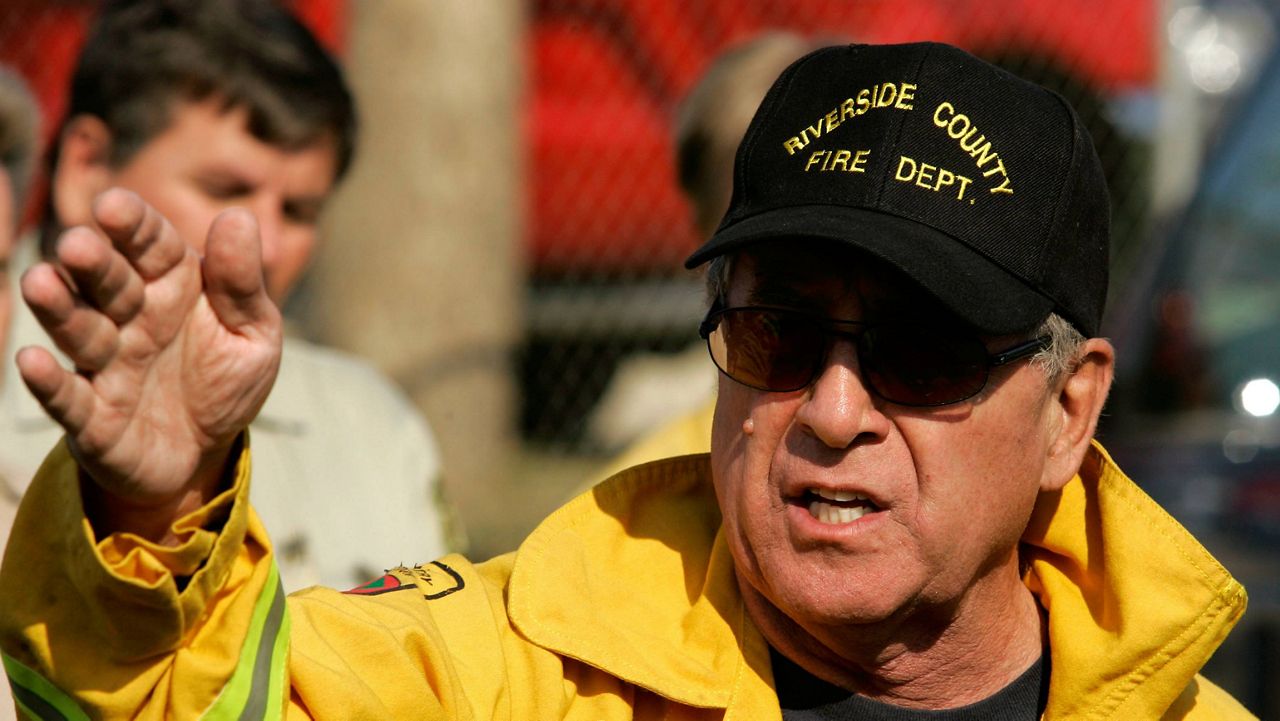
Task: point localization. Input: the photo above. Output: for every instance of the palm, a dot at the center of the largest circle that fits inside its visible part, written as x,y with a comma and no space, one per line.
174,359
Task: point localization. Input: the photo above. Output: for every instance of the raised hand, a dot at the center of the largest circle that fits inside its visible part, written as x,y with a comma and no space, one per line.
173,356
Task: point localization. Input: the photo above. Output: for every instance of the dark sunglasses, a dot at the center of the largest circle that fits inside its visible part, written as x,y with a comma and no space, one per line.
779,350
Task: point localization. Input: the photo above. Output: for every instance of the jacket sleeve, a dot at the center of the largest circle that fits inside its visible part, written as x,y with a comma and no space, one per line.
119,627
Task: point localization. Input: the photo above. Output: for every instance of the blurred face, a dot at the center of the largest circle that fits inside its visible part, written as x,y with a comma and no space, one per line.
207,161
8,225
841,507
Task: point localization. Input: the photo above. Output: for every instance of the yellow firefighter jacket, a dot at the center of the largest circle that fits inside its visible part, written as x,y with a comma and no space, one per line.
621,605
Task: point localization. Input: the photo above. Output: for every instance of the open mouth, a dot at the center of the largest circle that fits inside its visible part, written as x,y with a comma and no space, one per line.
836,507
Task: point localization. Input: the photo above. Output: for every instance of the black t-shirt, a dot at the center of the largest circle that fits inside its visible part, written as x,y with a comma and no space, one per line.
805,697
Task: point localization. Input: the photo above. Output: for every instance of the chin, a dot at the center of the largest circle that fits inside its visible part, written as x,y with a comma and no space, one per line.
846,612
826,601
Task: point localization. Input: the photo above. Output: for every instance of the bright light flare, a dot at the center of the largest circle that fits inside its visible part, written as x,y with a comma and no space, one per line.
1260,397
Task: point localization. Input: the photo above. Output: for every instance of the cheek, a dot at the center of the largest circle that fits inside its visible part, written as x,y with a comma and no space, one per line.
295,250
728,444
186,210
192,226
290,260
741,479
978,482
748,430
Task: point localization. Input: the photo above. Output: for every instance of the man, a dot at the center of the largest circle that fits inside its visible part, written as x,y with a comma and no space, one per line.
19,130
902,510
19,123
197,107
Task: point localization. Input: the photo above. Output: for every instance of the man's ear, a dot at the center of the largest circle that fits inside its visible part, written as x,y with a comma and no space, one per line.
1078,403
83,169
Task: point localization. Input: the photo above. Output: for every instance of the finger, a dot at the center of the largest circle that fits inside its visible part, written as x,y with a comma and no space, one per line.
233,275
139,232
65,396
102,276
87,336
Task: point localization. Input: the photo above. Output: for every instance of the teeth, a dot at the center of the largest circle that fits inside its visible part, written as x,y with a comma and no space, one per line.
839,495
827,513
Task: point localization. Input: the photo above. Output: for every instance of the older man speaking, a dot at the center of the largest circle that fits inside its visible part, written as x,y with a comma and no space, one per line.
903,511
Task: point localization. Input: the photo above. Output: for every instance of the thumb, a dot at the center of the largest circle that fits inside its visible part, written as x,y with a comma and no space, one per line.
233,276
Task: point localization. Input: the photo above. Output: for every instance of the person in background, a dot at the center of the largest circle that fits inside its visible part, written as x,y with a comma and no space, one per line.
197,107
711,122
19,142
903,514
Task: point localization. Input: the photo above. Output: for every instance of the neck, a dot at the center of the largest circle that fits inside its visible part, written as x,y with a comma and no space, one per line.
924,657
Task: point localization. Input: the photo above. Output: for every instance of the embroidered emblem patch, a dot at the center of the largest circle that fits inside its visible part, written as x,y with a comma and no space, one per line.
383,584
435,580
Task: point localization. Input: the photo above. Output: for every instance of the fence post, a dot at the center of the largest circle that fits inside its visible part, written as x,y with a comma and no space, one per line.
418,266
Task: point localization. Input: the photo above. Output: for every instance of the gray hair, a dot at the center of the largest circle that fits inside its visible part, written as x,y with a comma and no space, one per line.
19,135
1063,352
718,278
1057,359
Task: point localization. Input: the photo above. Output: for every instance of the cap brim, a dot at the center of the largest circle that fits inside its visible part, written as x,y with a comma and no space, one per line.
977,290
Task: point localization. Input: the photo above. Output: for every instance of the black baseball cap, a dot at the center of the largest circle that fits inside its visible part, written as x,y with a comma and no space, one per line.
982,187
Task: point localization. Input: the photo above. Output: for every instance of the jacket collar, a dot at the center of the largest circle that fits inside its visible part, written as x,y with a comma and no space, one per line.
1135,604
639,558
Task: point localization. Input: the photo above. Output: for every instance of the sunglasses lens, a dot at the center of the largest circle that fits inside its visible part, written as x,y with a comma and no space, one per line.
922,367
776,350
769,350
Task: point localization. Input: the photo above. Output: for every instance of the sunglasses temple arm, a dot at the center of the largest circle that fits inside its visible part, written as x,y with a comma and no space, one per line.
1020,351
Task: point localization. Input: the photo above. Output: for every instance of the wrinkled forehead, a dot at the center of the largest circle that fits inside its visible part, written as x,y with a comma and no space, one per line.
829,278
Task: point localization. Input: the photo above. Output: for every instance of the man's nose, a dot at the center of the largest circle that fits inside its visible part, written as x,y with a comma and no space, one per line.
840,409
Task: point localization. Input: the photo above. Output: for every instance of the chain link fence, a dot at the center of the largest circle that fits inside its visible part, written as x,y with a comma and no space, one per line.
612,315
608,346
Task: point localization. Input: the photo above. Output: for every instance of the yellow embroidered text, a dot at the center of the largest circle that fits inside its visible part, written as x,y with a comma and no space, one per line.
930,177
962,129
849,161
882,95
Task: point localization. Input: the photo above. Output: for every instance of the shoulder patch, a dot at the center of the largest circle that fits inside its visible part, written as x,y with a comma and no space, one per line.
384,584
434,580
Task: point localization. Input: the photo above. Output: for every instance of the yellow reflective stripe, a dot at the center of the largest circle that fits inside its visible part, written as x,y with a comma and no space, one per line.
256,689
37,696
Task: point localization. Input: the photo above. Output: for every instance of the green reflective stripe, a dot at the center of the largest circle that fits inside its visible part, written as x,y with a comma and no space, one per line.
255,690
272,646
38,697
32,706
279,665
